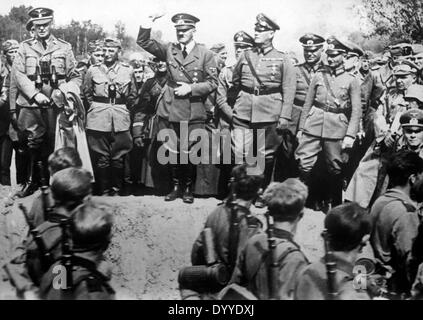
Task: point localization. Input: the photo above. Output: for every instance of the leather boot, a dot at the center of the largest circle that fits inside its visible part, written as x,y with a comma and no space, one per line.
189,171
268,173
176,181
336,190
311,203
116,186
31,184
102,181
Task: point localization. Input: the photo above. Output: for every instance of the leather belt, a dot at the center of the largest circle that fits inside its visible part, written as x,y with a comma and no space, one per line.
260,91
327,108
299,102
108,100
34,76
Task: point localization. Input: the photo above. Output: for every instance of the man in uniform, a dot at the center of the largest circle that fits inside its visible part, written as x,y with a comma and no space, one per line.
192,76
396,220
348,227
286,166
266,79
10,49
111,91
285,202
225,99
330,119
43,64
221,55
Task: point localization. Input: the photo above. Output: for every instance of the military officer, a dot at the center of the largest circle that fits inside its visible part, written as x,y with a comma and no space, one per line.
266,79
225,99
43,64
192,76
221,55
110,90
412,128
285,165
329,119
10,49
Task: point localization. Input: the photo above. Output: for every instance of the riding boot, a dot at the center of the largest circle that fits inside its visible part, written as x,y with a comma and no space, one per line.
102,181
32,183
116,187
268,172
305,177
176,181
188,196
336,184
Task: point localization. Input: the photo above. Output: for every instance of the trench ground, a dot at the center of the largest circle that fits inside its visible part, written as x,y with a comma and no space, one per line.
152,240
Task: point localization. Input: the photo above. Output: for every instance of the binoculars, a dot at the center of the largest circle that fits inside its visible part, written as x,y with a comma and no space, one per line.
203,278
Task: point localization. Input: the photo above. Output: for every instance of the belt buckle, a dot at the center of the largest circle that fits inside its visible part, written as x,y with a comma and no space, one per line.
256,91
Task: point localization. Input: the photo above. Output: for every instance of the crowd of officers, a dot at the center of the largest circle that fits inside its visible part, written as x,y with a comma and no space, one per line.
344,118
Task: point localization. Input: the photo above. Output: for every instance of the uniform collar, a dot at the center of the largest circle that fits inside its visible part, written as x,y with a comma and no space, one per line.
114,66
400,195
265,50
312,68
283,234
188,47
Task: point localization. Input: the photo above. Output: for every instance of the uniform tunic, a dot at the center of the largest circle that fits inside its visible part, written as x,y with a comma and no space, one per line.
39,123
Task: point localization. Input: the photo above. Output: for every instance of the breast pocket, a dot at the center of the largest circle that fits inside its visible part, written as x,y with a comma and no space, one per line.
123,82
100,85
58,60
196,74
31,63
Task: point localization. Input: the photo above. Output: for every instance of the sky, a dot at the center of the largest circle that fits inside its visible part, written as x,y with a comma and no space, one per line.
219,19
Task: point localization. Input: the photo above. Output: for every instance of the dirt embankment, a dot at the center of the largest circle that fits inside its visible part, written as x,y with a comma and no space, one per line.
152,240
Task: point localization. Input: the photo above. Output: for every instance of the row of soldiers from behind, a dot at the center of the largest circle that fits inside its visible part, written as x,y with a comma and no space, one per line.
62,256
367,256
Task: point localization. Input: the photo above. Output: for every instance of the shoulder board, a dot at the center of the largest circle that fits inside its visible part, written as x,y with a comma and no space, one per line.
63,41
324,68
96,64
28,40
124,64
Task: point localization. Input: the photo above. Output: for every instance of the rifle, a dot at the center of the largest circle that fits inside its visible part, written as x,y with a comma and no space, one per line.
45,194
272,274
67,254
44,254
330,268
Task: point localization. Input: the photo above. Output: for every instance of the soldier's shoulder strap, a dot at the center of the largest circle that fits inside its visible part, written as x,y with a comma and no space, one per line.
303,73
327,84
63,41
253,70
124,64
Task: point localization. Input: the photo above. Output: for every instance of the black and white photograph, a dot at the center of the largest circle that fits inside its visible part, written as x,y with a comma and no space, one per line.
224,150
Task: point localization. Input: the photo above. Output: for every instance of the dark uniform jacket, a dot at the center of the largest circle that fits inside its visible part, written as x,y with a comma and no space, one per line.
276,72
332,116
219,221
200,65
103,115
312,284
395,222
252,267
145,106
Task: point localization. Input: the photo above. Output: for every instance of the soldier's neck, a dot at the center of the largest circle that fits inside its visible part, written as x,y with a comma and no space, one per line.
286,226
404,189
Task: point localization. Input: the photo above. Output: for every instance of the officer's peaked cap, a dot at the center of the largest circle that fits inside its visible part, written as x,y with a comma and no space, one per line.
40,15
242,38
264,23
412,118
312,41
184,20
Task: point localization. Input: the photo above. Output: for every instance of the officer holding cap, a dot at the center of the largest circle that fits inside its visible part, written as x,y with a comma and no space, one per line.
39,63
110,90
266,80
330,119
192,76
